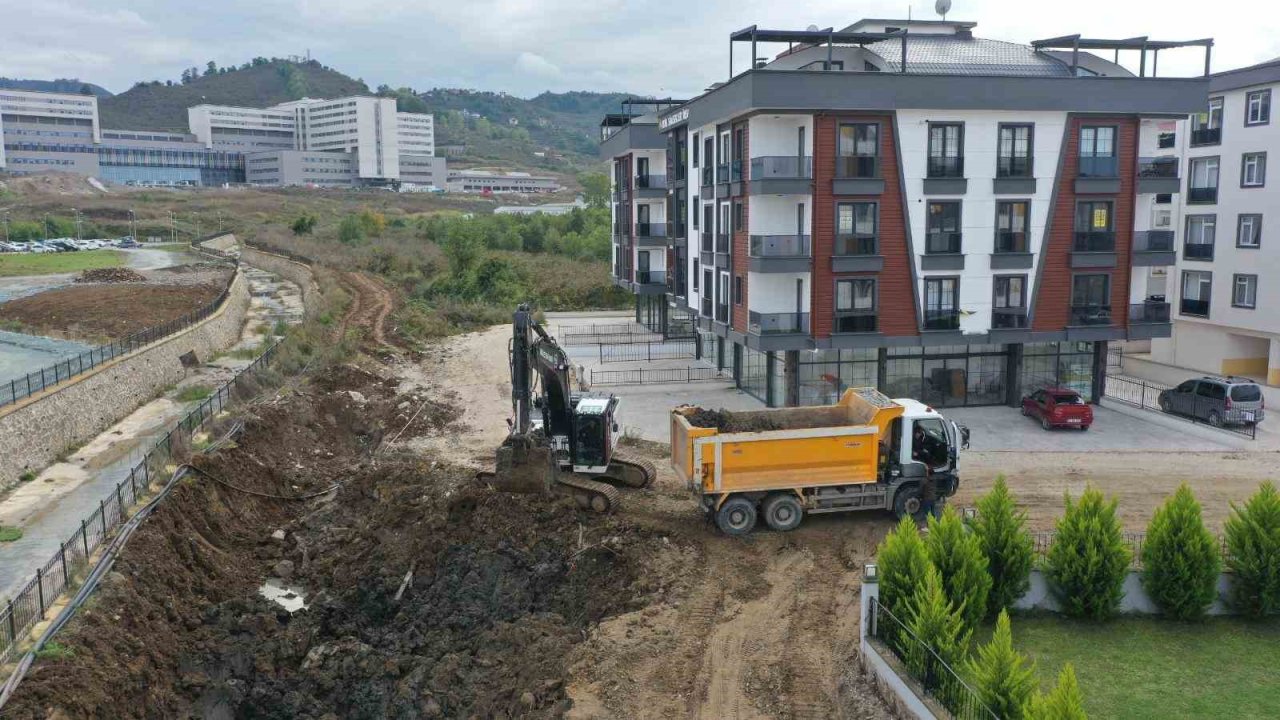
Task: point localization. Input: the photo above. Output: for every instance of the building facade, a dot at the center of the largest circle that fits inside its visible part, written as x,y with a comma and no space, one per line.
905,205
486,181
1226,284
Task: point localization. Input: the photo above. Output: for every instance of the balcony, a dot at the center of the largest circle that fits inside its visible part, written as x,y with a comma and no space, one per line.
651,234
1011,241
651,282
1153,248
722,243
856,252
1202,195
1089,315
945,176
1013,176
787,323
1150,319
855,321
706,306
1094,241
1009,319
779,253
708,178
722,173
708,245
942,251
1158,175
651,185
1198,308
781,175
1197,251
857,175
1011,251
1098,174
942,319
722,313
1206,136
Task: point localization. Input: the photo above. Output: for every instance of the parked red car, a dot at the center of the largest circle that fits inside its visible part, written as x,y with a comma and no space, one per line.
1058,407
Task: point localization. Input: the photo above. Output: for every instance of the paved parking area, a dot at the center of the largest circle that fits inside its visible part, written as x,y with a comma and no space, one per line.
1003,428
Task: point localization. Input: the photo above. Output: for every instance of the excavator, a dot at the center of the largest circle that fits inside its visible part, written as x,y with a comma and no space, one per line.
572,447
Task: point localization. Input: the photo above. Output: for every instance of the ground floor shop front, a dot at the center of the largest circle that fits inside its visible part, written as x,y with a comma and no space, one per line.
941,376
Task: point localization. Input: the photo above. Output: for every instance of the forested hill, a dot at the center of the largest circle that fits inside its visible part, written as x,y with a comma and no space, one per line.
61,85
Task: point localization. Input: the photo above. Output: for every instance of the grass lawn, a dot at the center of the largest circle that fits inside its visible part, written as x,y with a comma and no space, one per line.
12,264
1149,668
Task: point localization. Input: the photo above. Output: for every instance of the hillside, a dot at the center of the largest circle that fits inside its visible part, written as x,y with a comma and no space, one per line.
163,106
62,85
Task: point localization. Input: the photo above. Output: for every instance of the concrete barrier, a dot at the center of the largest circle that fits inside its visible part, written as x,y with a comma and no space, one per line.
1136,601
222,243
295,272
37,430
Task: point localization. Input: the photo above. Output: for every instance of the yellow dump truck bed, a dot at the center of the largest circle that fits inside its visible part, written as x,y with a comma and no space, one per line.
798,447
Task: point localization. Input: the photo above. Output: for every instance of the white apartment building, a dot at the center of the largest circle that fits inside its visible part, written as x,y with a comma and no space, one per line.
1227,278
417,133
44,122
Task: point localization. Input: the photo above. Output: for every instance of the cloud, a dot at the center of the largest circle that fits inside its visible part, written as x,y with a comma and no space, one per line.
536,65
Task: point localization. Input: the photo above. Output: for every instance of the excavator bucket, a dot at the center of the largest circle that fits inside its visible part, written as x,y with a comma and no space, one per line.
522,467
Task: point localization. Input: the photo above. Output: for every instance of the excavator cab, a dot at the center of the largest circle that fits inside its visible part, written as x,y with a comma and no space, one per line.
595,432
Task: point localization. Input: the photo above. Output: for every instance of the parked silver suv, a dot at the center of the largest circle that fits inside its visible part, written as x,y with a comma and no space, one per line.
1217,400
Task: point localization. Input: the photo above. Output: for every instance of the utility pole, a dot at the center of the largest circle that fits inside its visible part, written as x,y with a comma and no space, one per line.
77,212
196,215
133,226
173,227
44,226
6,226
219,222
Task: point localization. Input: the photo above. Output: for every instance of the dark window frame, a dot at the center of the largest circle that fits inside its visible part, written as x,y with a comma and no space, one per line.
697,271
1243,158
738,283
695,151
1026,229
1115,140
836,235
959,156
1264,93
928,230
1182,285
995,291
1235,278
1186,236
840,157
955,296
1031,148
1240,218
872,312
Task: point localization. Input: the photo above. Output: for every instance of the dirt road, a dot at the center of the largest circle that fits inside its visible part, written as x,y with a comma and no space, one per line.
371,303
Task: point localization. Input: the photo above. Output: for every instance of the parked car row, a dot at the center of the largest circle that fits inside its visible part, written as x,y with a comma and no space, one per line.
1219,401
66,245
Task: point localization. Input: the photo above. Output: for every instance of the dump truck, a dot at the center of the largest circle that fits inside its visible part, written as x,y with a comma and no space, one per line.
866,452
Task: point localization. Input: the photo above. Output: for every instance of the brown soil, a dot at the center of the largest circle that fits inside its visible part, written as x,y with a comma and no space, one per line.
111,275
371,303
100,312
762,421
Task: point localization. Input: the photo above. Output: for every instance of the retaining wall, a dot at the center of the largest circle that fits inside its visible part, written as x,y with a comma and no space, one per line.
37,430
1135,601
221,243
295,272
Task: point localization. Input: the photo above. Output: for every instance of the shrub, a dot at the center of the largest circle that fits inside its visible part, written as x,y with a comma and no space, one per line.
1002,676
27,476
1001,531
936,623
351,230
191,393
303,225
958,556
1062,703
1089,559
1180,559
1253,552
10,534
902,562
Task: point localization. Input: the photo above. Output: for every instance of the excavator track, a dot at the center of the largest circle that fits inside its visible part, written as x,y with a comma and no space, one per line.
591,494
631,471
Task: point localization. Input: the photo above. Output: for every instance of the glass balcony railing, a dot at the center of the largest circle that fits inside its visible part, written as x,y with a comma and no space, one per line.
851,321
722,173
651,277
781,167
722,242
1158,167
1011,241
1199,308
1150,311
722,313
708,245
1202,194
1094,241
946,167
779,246
1153,241
651,230
1013,167
1197,251
856,244
942,319
1009,318
1206,136
1090,315
779,323
942,243
651,182
1098,166
706,306
857,166
708,176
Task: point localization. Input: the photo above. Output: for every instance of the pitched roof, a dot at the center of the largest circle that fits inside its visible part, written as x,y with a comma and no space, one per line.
959,55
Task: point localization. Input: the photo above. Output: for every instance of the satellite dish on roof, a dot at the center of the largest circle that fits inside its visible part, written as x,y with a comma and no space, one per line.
942,7
812,28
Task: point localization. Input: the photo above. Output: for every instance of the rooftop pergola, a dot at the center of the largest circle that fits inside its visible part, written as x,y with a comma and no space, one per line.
811,38
1143,44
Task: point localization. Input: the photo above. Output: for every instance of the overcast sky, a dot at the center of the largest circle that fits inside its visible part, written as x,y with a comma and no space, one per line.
657,47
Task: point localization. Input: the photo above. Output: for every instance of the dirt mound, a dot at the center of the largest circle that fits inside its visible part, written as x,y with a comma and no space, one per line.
111,275
53,182
106,311
726,421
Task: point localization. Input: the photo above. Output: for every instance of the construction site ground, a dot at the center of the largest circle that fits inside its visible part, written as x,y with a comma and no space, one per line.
430,596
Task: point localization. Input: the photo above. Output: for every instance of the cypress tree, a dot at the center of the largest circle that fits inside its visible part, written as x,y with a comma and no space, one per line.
1003,677
936,624
902,561
1089,559
962,566
1002,533
1253,552
1062,703
1180,559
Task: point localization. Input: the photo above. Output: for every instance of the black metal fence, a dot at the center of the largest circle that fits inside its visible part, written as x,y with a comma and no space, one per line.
625,338
1043,541
649,351
32,383
1212,412
938,679
644,376
29,605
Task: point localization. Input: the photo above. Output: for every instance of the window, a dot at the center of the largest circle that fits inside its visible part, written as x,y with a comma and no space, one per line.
1201,232
1249,230
946,150
858,148
1010,302
707,289
1093,227
1013,153
1244,292
942,231
1257,107
695,150
1203,181
722,298
695,274
1253,170
941,303
856,229
1011,226
739,216
1098,151
855,305
1091,299
1196,287
1166,140
695,214
1206,127
737,289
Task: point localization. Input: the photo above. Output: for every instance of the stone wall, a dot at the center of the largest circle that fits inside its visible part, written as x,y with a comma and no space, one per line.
37,430
221,243
295,272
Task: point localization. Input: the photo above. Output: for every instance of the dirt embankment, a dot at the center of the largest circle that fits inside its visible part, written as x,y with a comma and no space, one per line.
102,311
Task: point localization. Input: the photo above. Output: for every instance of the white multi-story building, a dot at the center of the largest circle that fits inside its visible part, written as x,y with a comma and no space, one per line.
38,124
1227,279
905,205
242,129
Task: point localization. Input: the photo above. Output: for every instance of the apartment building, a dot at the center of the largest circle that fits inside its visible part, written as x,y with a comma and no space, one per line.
906,205
1226,283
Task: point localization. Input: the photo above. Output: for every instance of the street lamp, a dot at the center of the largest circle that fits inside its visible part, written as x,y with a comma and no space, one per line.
77,212
196,215
44,227
173,227
6,226
133,226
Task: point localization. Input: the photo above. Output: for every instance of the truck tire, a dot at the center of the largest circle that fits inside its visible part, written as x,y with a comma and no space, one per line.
737,516
908,501
782,512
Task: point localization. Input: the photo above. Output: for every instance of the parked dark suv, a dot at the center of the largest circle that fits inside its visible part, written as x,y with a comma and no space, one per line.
1218,401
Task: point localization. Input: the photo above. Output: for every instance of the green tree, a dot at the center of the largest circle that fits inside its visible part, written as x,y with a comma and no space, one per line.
902,561
1180,559
957,554
939,635
1002,676
351,230
1002,534
373,222
1253,552
595,189
1089,559
1062,703
303,225
211,69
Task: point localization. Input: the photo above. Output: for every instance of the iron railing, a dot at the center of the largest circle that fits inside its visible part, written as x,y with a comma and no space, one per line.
857,166
937,678
646,352
1155,397
47,377
856,244
28,607
1159,167
945,167
615,338
645,376
1098,166
1042,542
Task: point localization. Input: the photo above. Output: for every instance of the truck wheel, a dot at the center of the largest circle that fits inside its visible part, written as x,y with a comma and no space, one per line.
908,502
782,512
737,516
